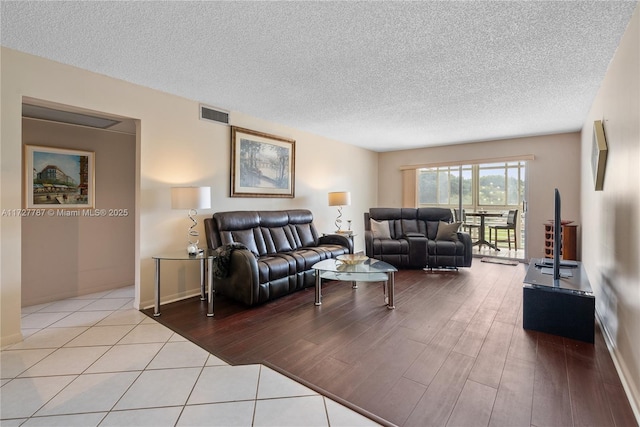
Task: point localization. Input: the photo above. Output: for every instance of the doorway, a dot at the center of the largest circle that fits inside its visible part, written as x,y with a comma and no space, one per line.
78,251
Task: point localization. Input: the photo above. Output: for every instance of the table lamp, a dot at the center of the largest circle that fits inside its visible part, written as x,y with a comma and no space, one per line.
339,199
191,198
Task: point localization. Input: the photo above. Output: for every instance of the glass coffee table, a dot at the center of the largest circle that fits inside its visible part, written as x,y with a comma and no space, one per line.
370,270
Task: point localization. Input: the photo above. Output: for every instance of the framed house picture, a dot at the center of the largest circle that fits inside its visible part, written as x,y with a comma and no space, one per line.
262,165
58,178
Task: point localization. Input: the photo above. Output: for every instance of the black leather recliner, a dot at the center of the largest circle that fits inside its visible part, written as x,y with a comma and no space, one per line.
281,248
412,239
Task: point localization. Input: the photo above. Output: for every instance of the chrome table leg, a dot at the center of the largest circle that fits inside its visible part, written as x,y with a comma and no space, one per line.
318,291
156,309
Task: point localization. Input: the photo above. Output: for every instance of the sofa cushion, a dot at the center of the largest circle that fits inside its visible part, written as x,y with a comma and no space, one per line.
331,250
276,240
246,237
273,267
306,235
410,226
441,248
380,229
391,246
432,217
271,219
448,231
305,258
432,229
303,233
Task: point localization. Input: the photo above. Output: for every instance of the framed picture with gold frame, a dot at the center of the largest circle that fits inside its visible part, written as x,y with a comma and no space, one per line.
262,165
598,155
58,178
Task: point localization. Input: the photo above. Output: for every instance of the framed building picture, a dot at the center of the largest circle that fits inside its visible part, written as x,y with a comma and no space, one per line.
262,165
58,178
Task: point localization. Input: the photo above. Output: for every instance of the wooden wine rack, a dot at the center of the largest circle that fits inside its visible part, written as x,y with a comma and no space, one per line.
568,234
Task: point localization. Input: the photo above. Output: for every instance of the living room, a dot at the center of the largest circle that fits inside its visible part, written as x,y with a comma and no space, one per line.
173,147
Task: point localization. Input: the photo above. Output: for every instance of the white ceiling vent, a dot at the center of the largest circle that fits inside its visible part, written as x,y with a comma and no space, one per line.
214,115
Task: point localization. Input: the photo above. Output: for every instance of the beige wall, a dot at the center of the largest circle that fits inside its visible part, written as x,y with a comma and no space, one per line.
64,256
611,236
172,147
556,163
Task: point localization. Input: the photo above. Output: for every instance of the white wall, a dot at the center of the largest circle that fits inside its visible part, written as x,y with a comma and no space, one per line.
173,147
611,237
556,164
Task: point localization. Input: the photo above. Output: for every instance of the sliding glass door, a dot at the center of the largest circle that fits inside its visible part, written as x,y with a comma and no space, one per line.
498,187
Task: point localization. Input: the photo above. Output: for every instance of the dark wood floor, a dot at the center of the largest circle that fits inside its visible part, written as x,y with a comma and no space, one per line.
452,353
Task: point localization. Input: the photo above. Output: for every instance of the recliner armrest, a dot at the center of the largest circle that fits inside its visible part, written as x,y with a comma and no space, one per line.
418,249
413,234
465,238
337,239
242,283
368,243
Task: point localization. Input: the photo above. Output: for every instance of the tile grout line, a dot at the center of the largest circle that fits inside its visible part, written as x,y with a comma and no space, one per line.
94,327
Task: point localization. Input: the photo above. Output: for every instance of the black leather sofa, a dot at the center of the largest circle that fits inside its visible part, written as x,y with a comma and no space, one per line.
413,239
281,248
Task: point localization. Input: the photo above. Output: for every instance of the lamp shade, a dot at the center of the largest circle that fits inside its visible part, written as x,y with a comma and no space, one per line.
339,198
190,197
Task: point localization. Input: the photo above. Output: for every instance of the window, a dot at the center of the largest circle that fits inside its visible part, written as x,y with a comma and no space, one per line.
501,184
440,186
491,185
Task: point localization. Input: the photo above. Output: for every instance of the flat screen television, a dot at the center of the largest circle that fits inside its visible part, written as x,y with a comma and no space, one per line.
557,235
556,266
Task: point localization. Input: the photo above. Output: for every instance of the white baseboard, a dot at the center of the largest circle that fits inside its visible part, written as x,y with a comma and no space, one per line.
149,304
11,339
629,388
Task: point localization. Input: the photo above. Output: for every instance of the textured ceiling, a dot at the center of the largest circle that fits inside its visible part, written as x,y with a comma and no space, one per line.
383,75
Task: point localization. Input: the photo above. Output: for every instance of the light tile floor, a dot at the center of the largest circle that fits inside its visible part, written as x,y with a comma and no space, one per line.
96,361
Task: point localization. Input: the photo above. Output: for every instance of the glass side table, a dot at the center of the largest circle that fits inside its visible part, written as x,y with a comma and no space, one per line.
347,235
206,275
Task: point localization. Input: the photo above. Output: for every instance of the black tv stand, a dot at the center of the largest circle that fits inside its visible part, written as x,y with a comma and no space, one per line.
564,306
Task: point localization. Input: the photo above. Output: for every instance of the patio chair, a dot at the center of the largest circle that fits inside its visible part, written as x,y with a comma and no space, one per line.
512,219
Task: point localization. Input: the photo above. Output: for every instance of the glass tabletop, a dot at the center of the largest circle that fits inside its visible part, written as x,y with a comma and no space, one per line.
183,255
369,266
